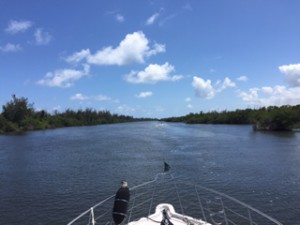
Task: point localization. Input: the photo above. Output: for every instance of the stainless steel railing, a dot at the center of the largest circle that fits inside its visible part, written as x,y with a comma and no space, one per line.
192,200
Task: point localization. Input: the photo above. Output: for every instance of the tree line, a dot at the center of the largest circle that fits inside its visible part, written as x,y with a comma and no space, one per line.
270,118
19,115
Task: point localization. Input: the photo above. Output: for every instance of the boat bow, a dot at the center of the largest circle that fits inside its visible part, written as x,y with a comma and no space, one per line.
194,204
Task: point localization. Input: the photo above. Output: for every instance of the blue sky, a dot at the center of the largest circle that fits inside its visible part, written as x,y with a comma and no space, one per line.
152,58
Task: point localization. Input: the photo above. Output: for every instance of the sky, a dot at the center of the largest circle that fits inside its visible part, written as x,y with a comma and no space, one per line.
150,58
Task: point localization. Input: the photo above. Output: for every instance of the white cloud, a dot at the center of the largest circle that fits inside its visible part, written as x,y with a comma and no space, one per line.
266,96
63,78
134,48
157,48
42,37
176,77
10,48
82,97
79,96
227,83
251,96
15,26
220,86
278,94
242,78
152,19
267,90
152,74
145,94
291,73
120,18
203,88
78,56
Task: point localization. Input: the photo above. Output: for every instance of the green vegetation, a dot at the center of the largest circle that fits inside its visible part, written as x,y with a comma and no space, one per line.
19,115
270,119
277,118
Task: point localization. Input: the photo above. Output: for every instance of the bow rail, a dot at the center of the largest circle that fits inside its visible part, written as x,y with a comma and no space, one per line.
192,200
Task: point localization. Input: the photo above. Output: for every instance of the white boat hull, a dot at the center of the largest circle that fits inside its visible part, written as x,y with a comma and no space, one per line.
174,217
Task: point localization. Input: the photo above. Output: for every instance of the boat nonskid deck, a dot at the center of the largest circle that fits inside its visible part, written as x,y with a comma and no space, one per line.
167,210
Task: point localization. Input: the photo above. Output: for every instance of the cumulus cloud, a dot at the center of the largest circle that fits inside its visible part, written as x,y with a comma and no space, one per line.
152,19
134,48
157,48
291,73
15,26
144,94
266,96
226,83
278,94
267,90
10,48
203,87
152,74
250,96
42,37
63,78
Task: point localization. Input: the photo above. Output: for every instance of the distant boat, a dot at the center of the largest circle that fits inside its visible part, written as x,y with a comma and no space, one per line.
160,200
160,124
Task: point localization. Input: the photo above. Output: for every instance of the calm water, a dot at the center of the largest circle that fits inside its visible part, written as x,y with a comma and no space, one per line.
49,177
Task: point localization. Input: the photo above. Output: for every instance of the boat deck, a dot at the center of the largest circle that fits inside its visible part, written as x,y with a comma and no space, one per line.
165,215
197,205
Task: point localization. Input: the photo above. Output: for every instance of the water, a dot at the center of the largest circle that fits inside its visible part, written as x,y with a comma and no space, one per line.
49,177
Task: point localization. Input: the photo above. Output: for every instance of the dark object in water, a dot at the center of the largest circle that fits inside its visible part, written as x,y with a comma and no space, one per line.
121,203
167,167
